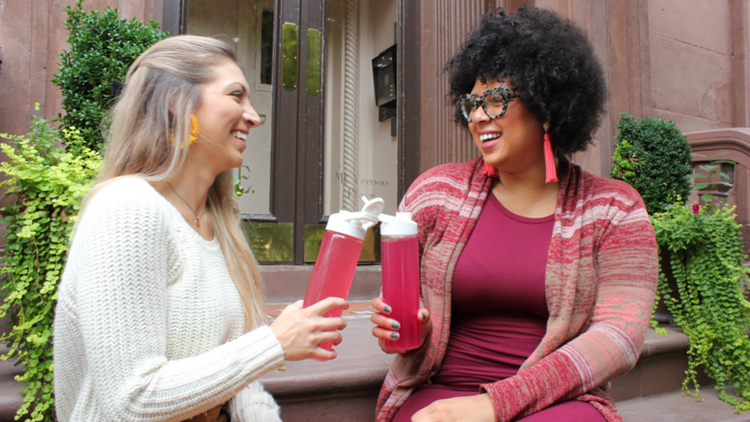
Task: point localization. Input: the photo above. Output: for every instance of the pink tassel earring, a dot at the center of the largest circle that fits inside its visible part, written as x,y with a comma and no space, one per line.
549,158
489,171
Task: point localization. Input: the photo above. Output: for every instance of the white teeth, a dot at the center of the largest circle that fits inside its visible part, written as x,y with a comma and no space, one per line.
489,136
240,135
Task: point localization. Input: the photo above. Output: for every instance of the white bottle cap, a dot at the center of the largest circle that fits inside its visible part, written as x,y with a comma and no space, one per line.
400,225
355,224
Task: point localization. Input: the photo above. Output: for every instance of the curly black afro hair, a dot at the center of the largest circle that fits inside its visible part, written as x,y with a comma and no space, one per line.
550,63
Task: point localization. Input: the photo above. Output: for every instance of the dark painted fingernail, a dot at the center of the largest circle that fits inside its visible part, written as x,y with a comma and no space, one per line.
395,325
387,309
423,315
394,336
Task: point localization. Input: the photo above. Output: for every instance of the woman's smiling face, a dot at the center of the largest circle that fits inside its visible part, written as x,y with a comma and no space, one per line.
224,118
513,142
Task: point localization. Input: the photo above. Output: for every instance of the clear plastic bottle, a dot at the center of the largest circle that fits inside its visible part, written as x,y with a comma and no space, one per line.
400,255
338,255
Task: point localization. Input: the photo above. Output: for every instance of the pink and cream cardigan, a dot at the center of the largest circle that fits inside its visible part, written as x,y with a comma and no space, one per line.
600,285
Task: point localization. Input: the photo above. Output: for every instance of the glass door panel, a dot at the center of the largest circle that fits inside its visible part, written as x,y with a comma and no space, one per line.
247,25
257,49
360,151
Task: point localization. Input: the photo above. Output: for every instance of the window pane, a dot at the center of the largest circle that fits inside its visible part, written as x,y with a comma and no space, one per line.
266,46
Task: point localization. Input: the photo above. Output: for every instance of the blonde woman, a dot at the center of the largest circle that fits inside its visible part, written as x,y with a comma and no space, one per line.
161,310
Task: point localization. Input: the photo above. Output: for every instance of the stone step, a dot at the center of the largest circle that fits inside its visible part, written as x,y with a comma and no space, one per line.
287,283
10,389
346,388
660,368
343,389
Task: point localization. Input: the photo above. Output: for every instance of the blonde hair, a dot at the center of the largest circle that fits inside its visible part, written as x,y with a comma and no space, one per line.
148,137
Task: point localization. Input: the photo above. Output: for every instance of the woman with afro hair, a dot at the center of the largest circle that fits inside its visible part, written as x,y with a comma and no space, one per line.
537,278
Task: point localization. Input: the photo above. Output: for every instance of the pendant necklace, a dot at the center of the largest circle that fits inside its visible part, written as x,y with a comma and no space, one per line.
197,217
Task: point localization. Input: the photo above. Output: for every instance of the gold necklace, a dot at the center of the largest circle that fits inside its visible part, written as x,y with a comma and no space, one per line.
197,217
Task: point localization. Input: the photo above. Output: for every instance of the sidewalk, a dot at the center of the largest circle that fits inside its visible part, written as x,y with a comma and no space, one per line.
680,408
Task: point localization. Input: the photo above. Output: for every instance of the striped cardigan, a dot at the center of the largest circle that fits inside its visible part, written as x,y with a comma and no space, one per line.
600,285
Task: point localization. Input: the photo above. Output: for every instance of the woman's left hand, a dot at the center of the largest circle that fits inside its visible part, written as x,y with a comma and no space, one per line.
469,409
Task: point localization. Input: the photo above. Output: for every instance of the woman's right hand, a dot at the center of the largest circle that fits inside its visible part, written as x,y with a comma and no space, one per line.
385,327
301,330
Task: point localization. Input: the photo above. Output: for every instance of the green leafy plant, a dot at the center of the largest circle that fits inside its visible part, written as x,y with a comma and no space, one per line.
102,47
48,182
703,249
653,156
239,190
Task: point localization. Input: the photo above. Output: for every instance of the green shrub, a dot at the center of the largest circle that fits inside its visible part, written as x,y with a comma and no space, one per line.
702,249
48,182
653,156
102,47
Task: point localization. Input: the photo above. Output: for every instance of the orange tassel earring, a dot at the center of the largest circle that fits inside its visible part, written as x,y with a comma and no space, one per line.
549,158
489,171
193,136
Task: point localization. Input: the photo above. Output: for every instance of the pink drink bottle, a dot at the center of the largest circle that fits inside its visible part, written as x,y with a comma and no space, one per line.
400,255
338,255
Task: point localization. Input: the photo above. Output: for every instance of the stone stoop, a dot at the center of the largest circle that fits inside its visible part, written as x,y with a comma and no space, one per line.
660,368
343,389
287,283
651,391
346,388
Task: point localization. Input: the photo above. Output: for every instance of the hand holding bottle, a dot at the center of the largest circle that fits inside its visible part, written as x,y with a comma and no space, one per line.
401,285
338,255
386,327
301,330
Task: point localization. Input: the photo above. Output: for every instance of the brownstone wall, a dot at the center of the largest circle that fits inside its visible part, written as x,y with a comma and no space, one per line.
682,60
31,36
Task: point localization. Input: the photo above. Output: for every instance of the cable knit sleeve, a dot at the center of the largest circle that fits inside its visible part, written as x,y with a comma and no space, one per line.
254,404
119,260
624,266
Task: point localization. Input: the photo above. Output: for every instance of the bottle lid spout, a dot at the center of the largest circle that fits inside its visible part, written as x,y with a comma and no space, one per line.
373,207
356,223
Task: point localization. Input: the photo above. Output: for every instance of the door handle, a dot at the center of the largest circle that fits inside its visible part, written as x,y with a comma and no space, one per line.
313,61
289,44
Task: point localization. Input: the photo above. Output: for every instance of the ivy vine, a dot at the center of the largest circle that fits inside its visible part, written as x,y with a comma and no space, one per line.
48,182
701,247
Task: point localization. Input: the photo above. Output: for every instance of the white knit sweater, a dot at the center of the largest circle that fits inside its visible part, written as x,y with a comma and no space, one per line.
149,324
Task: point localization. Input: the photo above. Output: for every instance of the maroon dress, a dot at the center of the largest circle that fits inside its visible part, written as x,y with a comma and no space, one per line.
499,313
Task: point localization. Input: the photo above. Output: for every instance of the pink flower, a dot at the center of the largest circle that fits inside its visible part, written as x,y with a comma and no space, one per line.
696,209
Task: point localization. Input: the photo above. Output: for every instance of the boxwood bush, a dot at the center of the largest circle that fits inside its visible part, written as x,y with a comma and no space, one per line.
102,47
653,156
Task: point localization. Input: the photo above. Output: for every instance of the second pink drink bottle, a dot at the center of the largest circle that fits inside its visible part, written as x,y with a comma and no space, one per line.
338,255
400,255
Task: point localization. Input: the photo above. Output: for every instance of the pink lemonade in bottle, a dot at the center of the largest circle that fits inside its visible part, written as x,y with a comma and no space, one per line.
338,255
400,256
341,253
